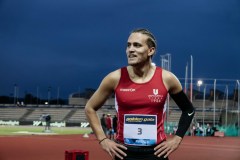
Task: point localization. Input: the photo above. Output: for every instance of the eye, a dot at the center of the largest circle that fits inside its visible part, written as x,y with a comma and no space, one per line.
137,45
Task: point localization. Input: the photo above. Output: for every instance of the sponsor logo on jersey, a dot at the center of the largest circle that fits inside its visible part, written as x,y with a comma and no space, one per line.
155,91
155,97
127,89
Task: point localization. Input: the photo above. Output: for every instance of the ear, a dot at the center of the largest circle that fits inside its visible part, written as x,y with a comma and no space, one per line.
151,51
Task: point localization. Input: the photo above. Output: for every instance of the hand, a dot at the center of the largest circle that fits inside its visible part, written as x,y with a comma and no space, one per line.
113,149
167,147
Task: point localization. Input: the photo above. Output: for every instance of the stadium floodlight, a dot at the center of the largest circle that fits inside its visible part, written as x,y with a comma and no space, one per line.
199,83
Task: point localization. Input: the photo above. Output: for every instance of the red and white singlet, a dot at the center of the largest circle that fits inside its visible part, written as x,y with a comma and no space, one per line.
141,110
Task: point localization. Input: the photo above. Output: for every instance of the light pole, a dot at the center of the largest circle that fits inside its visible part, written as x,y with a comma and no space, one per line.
37,95
226,116
49,94
204,104
15,93
166,64
238,106
199,83
58,91
191,80
214,101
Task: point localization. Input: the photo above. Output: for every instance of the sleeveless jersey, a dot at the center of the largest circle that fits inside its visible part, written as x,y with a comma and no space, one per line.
141,109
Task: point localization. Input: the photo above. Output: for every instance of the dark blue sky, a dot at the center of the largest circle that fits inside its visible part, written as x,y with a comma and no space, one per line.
73,44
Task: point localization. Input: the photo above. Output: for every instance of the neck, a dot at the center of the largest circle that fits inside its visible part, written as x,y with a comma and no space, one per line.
141,73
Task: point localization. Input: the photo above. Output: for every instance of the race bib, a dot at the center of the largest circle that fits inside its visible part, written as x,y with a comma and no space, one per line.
140,130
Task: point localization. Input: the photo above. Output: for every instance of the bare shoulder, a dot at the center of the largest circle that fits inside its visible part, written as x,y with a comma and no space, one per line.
168,76
104,90
112,78
115,75
171,82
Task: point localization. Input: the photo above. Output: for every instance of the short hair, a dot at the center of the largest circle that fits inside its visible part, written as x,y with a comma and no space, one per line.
151,41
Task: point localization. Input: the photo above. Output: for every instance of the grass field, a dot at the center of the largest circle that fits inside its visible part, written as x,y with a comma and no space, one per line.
23,130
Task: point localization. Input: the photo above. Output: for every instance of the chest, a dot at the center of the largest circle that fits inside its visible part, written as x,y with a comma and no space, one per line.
141,95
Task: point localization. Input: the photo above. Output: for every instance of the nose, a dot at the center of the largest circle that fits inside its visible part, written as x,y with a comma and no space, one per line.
130,48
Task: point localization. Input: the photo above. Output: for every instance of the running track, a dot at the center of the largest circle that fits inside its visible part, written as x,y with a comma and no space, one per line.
35,147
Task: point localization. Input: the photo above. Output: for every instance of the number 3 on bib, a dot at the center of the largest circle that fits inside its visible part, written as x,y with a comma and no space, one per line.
140,129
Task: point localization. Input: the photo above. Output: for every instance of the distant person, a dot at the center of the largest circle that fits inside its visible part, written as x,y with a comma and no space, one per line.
115,119
174,130
104,123
193,130
48,122
109,126
47,119
141,90
214,129
22,103
208,130
199,130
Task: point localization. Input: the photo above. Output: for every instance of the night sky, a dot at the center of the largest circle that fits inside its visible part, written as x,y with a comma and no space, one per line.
73,44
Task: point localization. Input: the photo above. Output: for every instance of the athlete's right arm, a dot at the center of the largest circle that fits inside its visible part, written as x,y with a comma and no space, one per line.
97,100
105,89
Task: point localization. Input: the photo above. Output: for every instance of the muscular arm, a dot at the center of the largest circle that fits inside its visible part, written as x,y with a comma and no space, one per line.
105,89
103,92
180,98
187,112
175,90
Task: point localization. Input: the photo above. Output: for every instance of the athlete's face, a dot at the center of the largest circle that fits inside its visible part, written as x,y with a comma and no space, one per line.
137,50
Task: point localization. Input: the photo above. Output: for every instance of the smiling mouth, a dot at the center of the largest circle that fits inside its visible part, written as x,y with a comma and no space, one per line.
131,56
131,59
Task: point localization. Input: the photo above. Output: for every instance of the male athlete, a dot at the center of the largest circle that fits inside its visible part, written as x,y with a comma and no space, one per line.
141,90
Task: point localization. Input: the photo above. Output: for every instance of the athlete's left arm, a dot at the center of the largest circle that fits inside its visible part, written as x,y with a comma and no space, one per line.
176,92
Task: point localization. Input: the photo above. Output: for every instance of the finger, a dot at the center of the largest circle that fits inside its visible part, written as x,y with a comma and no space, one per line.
121,146
163,152
109,152
160,150
119,156
159,146
119,151
168,153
